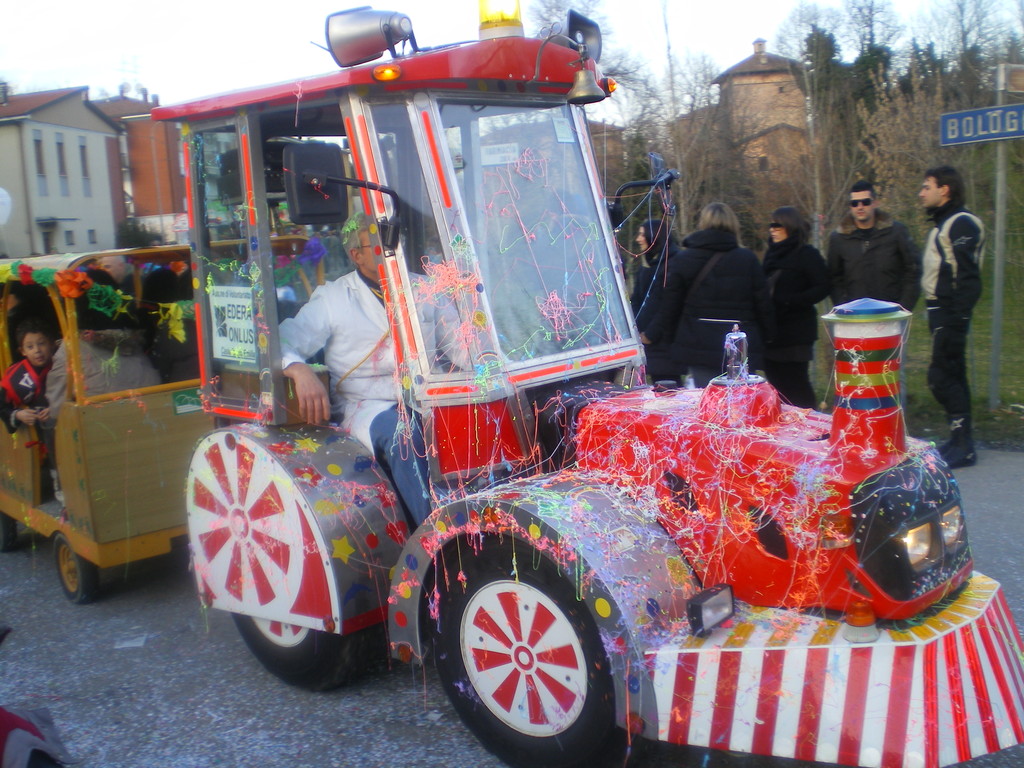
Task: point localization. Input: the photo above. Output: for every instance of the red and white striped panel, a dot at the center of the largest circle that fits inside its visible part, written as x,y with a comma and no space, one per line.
776,683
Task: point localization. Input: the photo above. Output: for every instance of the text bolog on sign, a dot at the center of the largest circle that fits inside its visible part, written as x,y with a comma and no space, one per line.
986,124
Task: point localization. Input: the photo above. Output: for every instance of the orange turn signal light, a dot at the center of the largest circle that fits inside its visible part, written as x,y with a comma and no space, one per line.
859,614
387,72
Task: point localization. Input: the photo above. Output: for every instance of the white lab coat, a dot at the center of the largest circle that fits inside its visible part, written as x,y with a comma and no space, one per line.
350,324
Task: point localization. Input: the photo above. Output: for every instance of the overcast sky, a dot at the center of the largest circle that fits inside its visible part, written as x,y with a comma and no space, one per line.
182,51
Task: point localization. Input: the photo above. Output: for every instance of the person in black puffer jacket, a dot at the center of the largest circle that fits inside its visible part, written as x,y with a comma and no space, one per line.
702,303
797,280
657,244
871,255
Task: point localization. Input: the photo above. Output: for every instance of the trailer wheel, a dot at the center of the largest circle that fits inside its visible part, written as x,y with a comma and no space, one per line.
317,661
8,533
523,664
79,578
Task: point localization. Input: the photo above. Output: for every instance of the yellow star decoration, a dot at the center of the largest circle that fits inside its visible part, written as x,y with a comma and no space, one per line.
307,444
342,549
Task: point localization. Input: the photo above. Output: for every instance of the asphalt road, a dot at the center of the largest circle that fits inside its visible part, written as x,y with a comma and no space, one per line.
145,678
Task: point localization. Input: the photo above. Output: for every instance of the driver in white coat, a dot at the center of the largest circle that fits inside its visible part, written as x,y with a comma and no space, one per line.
348,320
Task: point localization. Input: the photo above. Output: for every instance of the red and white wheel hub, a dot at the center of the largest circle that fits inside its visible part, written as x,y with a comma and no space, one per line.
281,634
524,658
244,526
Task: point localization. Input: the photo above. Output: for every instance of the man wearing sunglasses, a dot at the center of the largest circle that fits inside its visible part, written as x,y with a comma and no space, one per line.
871,255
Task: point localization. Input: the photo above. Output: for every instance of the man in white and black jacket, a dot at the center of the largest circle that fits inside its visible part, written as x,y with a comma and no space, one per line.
951,283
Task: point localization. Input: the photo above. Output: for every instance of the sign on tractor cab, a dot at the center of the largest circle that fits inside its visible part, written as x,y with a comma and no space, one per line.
426,240
102,466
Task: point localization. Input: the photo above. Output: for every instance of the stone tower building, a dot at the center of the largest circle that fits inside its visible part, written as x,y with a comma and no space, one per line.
764,110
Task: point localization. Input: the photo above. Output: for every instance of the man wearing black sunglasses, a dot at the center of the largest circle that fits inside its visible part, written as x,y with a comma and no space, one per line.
871,255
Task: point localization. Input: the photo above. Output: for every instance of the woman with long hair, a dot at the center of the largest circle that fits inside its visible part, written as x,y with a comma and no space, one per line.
657,245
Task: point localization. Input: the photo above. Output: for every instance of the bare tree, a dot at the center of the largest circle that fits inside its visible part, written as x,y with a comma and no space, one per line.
791,36
871,24
900,139
969,34
700,138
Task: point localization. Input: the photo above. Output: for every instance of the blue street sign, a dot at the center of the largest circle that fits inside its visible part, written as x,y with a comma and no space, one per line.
986,124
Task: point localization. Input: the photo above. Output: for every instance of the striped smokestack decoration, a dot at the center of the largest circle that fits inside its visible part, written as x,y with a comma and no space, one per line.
868,337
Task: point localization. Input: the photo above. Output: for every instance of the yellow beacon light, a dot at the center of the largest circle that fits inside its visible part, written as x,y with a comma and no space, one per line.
500,18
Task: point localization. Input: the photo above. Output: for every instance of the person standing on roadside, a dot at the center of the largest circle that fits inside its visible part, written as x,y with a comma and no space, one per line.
713,285
797,281
951,284
659,248
871,255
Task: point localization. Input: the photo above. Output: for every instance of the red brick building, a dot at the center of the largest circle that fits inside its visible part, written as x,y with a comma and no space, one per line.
152,165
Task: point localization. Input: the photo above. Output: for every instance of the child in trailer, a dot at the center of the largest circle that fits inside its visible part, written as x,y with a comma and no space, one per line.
23,388
24,384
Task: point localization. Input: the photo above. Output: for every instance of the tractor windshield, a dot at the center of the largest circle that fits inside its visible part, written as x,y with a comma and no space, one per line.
534,225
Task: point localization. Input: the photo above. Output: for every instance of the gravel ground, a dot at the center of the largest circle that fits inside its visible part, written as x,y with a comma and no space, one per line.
145,678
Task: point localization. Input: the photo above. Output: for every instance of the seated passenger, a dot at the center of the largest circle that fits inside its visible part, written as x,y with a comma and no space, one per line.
24,302
175,359
111,351
120,269
23,387
348,320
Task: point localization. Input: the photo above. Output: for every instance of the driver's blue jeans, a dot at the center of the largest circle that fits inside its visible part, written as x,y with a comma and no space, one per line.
400,448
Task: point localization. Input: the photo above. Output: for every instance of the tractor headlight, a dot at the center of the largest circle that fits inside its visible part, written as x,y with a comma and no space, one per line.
918,542
952,526
707,609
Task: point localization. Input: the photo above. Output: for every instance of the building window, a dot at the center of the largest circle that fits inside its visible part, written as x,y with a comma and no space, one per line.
92,237
69,238
83,155
62,167
37,141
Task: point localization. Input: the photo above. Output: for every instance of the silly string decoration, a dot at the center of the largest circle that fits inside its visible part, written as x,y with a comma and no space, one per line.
74,283
567,495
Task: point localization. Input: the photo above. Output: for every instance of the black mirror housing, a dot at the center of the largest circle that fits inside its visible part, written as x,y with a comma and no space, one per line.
311,198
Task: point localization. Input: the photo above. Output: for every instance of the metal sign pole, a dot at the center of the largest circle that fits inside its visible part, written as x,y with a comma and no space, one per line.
997,123
997,283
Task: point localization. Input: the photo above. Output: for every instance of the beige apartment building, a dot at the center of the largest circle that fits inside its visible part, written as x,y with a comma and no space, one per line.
58,163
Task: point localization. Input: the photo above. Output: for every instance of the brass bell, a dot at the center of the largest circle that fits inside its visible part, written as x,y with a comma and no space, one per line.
585,89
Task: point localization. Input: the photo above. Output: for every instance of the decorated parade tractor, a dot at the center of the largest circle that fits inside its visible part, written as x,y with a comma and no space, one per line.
605,561
81,479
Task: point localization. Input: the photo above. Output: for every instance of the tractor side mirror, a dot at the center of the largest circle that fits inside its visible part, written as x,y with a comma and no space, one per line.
312,199
657,164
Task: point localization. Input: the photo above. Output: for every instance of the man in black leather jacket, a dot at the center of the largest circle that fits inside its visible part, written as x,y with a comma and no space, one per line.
951,284
871,255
